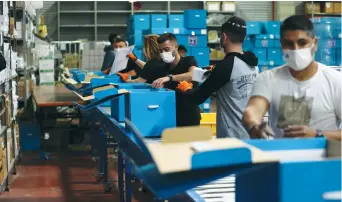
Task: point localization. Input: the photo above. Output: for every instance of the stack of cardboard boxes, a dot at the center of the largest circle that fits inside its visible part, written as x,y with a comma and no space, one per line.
323,7
72,60
92,55
3,163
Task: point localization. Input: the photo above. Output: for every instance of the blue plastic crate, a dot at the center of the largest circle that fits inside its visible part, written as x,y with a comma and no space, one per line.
29,134
328,43
195,19
253,28
139,53
197,31
140,22
136,39
176,21
326,56
201,55
177,31
248,44
272,27
205,106
261,54
192,41
264,41
324,31
157,31
158,21
338,56
275,56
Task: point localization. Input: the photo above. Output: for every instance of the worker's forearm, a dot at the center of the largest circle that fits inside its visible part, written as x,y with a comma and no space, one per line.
333,135
252,116
182,77
140,63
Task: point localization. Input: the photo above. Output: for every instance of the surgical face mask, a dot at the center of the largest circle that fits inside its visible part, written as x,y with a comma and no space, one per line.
168,57
299,59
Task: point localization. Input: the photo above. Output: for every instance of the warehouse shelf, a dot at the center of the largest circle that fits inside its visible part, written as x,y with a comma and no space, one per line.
113,11
77,25
112,25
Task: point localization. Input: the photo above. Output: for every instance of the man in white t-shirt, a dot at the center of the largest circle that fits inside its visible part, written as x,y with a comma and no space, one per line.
303,97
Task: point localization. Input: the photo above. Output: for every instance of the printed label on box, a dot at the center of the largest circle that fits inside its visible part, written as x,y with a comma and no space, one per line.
176,30
264,43
203,31
192,40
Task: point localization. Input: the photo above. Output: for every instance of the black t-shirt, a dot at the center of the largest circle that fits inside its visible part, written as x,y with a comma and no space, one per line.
188,113
154,69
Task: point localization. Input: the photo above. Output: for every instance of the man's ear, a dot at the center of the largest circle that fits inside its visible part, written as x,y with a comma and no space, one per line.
315,40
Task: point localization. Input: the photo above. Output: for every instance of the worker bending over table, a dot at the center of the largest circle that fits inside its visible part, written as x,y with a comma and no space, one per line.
232,79
303,97
132,68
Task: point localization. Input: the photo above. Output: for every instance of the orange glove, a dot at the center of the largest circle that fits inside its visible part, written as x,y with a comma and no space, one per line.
124,77
184,86
132,57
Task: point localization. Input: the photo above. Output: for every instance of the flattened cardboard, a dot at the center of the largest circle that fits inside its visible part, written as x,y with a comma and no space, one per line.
179,155
69,80
90,97
89,77
333,148
186,134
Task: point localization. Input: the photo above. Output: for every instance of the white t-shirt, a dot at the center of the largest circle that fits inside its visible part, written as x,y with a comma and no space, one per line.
315,102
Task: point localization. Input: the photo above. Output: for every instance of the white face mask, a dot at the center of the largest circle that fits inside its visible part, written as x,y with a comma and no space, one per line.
168,57
299,59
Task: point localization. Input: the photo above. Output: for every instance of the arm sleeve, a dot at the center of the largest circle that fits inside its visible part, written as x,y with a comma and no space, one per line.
261,86
107,61
220,75
192,61
148,71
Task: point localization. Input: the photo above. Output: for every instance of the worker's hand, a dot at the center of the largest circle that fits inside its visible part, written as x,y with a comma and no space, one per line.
261,131
299,131
209,68
132,57
124,77
159,83
184,86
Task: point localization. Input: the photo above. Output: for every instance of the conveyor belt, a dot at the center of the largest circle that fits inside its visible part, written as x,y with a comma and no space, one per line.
222,190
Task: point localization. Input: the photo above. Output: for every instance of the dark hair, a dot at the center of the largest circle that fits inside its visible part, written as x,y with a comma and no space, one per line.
297,22
111,37
235,28
181,47
167,36
119,39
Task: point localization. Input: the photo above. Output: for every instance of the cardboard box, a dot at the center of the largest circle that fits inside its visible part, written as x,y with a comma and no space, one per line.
312,8
337,7
229,6
328,7
213,6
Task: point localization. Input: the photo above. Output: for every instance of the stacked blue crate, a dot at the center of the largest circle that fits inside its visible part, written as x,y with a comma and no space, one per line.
136,26
263,39
328,31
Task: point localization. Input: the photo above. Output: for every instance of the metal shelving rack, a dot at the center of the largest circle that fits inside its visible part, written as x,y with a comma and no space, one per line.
6,89
94,20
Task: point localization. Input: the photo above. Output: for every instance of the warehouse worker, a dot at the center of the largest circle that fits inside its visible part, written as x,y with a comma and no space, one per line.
182,50
109,50
187,113
132,68
231,79
154,68
303,97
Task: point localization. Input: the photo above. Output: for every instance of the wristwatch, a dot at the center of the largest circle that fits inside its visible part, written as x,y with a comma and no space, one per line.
170,77
319,133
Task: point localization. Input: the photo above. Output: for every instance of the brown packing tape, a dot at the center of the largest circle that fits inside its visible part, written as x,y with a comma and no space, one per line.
186,134
176,157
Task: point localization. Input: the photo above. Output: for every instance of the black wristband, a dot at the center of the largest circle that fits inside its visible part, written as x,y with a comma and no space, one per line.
170,77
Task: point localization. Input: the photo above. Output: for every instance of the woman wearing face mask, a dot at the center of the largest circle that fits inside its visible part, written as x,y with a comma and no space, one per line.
303,97
154,68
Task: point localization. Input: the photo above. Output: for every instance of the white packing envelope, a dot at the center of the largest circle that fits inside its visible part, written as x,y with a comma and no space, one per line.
199,74
121,59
